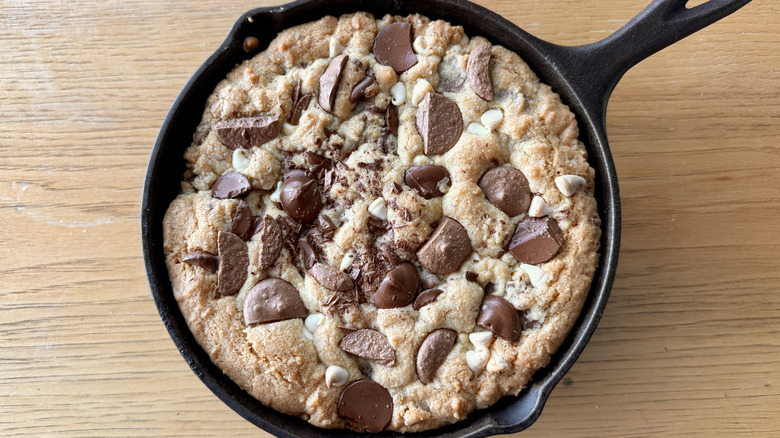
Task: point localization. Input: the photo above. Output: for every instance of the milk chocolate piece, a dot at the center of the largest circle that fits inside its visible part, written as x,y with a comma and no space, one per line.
242,219
331,278
299,107
478,71
369,344
326,226
329,82
247,132
296,94
233,263
230,185
393,47
308,254
398,288
300,196
273,300
426,297
203,259
271,242
500,317
506,188
391,118
433,352
425,179
536,240
447,249
365,406
360,88
439,122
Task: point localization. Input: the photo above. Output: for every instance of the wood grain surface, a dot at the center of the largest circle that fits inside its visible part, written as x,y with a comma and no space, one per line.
689,343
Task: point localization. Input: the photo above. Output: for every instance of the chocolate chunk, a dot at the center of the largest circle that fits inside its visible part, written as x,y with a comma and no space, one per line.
329,82
447,249
242,219
365,406
439,122
296,94
536,240
299,108
205,260
200,135
389,254
256,227
433,352
331,278
326,226
426,297
369,344
396,188
314,159
391,118
233,263
300,196
360,88
393,47
248,131
425,179
507,188
230,185
399,287
500,317
478,71
308,255
271,242
472,276
273,300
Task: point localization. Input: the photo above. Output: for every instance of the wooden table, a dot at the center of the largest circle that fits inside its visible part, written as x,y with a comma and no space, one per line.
689,344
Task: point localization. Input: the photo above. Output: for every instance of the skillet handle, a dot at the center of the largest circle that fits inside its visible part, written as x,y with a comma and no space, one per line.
595,69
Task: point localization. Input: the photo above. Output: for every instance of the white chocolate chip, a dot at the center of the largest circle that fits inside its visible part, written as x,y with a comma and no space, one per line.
378,208
477,128
477,359
277,193
313,321
492,118
568,184
398,93
539,208
335,376
240,159
497,364
481,340
464,40
536,275
417,45
308,334
347,260
288,129
335,48
421,88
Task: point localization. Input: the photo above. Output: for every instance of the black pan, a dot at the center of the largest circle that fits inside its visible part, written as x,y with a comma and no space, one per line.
584,76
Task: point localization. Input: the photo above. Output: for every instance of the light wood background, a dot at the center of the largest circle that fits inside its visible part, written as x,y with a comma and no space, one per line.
689,344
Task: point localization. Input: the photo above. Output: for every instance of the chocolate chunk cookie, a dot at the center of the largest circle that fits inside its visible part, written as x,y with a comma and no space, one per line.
383,225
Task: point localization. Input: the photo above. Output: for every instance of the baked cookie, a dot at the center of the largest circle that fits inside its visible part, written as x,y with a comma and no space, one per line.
384,224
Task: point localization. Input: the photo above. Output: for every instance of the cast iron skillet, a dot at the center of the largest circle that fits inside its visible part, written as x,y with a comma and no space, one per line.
584,76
